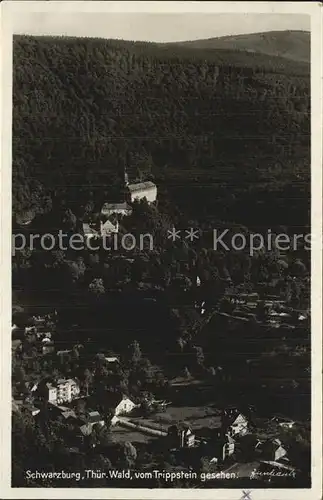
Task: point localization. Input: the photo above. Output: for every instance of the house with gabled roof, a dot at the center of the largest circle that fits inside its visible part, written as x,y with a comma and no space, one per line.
231,422
90,231
180,436
271,449
120,404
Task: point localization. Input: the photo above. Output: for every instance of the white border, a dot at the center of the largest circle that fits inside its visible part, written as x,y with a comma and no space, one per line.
9,9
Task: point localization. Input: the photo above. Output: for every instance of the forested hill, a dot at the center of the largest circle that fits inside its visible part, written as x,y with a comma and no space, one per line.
291,44
205,124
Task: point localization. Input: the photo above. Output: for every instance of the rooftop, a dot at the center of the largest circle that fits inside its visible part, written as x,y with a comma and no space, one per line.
141,186
94,417
61,381
88,229
110,207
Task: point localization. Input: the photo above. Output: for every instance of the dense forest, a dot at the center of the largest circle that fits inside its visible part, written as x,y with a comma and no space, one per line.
223,129
225,135
292,44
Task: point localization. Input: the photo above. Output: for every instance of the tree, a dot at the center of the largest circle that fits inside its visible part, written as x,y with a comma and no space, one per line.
69,220
96,287
20,374
180,342
87,380
135,352
199,356
298,268
130,454
74,272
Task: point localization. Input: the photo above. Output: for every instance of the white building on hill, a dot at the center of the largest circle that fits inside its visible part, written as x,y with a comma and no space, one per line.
110,209
142,190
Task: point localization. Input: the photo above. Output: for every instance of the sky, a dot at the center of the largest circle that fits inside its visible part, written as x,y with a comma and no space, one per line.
155,27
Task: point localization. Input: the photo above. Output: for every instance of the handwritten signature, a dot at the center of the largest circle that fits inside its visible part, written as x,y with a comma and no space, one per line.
272,473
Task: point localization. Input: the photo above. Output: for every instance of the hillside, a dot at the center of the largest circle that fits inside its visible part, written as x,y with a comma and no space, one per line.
204,124
290,44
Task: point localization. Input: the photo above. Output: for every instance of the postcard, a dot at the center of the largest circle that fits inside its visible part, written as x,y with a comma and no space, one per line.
161,223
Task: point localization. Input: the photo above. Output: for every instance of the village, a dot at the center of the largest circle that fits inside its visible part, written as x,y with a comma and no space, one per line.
226,438
59,382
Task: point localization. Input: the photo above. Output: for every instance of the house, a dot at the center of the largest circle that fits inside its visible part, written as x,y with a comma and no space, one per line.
32,386
110,360
90,231
110,216
92,418
234,422
180,436
69,415
86,429
278,450
31,409
230,422
88,420
121,209
223,448
120,405
109,227
271,449
64,390
142,190
125,406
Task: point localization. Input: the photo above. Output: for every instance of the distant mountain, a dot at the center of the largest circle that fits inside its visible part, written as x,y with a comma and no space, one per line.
202,122
289,44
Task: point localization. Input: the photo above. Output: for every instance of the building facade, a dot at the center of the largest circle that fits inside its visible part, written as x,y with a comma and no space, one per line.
64,390
121,406
125,406
180,436
122,209
142,190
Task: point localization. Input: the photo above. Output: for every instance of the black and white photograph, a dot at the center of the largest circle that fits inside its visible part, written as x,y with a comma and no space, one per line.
161,206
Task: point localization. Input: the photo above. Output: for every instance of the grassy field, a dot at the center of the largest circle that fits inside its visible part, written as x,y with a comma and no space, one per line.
122,435
196,417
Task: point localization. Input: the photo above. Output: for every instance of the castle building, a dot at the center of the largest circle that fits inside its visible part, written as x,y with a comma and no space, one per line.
112,213
139,190
142,190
